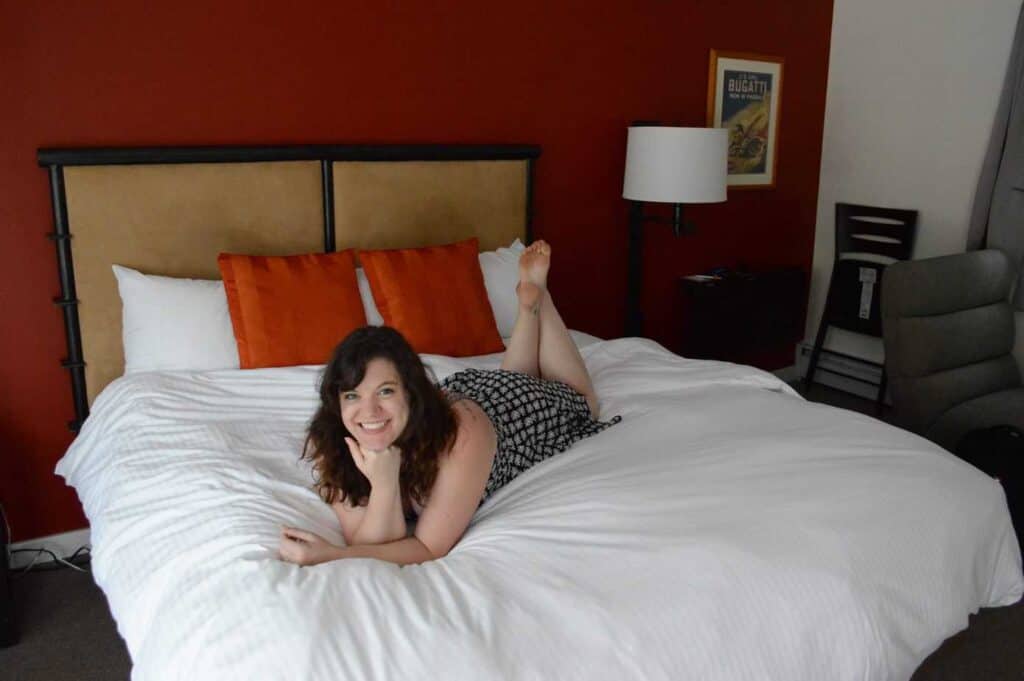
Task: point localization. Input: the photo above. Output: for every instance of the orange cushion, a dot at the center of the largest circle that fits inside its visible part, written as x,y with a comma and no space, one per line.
293,309
435,297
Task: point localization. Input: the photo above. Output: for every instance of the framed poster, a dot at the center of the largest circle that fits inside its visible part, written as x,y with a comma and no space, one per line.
744,92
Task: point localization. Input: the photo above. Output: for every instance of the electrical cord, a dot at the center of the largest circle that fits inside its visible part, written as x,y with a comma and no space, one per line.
82,555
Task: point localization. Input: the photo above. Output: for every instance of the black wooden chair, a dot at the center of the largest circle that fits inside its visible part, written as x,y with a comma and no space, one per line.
868,239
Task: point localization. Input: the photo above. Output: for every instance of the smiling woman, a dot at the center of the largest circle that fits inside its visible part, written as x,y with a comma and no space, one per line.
386,441
376,396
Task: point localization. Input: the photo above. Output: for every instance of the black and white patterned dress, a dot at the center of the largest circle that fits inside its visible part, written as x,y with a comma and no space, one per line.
533,418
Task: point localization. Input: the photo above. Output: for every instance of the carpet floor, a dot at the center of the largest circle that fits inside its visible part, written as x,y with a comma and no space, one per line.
66,631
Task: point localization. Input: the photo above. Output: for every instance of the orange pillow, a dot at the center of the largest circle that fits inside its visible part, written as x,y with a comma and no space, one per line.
292,309
435,297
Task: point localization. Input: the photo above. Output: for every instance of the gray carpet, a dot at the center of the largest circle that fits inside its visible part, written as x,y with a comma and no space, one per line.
67,632
988,650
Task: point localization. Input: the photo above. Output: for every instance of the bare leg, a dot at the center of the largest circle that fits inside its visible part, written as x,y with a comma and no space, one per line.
558,357
522,352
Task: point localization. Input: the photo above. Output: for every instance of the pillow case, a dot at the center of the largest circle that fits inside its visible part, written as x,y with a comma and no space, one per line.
501,274
170,323
293,309
434,296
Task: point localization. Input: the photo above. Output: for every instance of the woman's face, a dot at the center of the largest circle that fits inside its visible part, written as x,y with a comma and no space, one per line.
376,410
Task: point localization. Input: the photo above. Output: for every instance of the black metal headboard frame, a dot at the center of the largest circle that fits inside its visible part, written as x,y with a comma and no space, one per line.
54,160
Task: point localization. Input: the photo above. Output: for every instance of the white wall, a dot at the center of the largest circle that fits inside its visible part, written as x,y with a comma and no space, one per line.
912,91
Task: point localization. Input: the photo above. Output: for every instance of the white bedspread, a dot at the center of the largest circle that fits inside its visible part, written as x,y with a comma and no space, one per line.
726,529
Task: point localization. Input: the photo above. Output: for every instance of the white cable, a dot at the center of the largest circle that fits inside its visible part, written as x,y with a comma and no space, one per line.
71,565
68,563
39,552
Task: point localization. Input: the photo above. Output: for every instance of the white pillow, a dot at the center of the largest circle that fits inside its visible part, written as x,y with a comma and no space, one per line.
501,274
171,323
373,316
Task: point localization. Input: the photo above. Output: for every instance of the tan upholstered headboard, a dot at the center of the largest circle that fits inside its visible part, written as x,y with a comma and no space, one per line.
170,211
173,220
430,202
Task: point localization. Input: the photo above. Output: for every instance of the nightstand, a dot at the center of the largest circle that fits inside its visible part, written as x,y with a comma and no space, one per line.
743,316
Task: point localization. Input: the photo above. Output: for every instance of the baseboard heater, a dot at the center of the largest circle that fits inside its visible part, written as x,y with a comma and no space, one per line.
843,372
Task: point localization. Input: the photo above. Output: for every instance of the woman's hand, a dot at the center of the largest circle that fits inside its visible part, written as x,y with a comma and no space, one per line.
306,548
380,467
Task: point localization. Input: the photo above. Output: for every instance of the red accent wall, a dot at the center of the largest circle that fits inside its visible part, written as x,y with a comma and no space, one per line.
569,76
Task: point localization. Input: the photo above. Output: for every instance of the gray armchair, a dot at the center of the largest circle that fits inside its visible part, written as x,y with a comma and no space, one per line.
950,338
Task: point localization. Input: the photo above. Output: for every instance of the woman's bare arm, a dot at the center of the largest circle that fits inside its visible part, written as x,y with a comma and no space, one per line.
460,482
307,548
381,520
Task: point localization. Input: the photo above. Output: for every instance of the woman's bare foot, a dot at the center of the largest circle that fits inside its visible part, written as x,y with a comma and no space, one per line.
534,264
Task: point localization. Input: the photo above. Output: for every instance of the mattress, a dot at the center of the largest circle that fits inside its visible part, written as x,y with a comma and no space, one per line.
725,529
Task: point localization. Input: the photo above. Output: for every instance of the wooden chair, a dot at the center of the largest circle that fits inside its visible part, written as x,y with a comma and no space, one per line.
868,239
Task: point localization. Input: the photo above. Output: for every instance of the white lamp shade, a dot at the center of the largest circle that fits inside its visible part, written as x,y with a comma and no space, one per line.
676,165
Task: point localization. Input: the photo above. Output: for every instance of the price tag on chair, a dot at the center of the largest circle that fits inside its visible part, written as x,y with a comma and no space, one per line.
868,277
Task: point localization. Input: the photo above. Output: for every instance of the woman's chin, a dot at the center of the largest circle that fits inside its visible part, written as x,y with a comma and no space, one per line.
374,443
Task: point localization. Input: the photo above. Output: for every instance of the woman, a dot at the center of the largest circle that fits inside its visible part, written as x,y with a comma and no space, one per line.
387,442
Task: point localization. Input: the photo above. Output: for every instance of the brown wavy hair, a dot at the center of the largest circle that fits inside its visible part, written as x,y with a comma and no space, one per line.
429,431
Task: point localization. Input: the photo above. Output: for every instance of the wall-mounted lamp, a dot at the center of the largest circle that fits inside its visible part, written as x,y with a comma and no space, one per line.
667,165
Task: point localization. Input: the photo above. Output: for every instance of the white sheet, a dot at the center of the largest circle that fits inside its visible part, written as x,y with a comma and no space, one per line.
726,529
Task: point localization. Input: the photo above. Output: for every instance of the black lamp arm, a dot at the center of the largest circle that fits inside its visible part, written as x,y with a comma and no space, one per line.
679,225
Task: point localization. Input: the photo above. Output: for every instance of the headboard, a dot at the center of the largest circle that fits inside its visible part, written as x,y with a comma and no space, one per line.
171,210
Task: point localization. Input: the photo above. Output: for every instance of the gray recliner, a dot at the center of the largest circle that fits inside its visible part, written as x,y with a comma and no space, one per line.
949,334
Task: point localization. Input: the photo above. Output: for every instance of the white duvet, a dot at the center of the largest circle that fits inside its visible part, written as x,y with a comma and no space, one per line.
726,529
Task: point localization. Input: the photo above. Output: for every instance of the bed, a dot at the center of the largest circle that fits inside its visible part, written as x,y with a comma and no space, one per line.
725,529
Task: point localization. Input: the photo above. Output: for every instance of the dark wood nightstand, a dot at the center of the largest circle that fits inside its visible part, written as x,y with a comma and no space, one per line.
743,316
